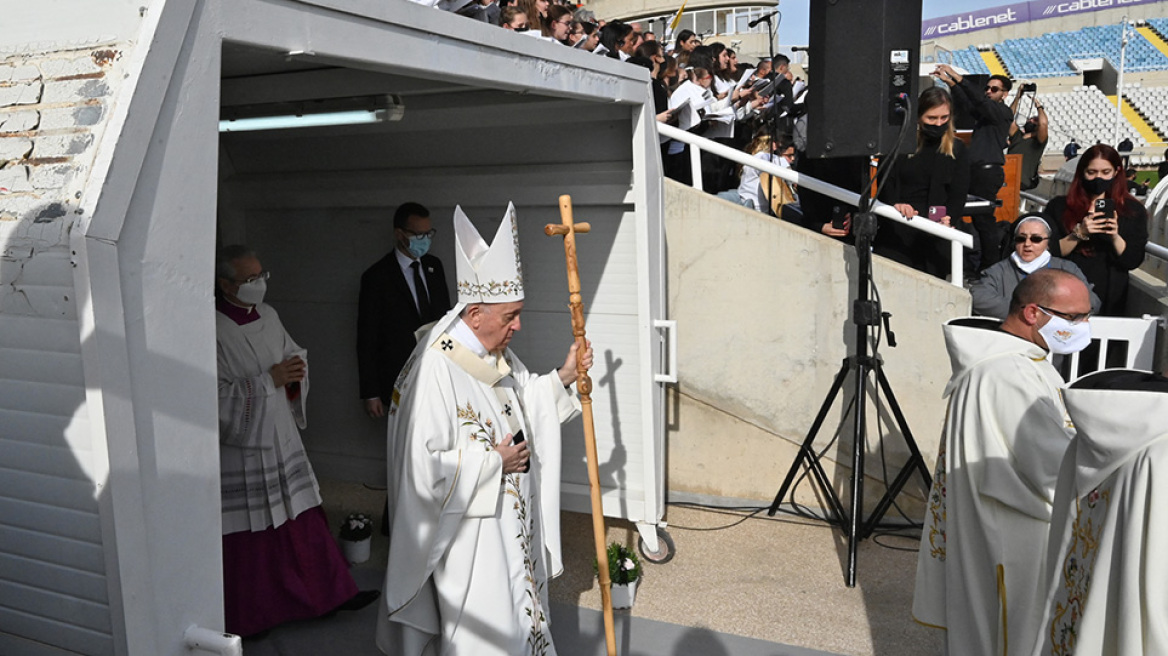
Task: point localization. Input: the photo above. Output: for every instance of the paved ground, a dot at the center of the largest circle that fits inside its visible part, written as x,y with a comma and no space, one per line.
737,586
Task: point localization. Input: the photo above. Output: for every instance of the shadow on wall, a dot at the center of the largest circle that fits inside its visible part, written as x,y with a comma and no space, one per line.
614,469
51,533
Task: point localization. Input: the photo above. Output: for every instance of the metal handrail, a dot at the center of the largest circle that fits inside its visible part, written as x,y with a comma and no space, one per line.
956,238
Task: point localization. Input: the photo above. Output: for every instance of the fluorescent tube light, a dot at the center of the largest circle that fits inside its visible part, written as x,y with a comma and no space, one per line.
302,121
309,114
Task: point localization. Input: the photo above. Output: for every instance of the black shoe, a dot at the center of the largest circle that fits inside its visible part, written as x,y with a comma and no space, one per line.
360,600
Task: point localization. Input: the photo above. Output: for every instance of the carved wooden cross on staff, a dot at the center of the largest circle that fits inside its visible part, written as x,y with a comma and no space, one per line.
568,228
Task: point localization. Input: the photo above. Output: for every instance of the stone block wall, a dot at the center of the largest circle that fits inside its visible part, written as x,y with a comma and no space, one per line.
53,106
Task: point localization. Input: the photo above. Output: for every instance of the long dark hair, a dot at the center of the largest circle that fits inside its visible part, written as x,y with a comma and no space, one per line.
716,50
1079,201
649,49
611,34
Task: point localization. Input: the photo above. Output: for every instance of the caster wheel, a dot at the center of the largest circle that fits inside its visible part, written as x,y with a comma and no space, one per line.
664,552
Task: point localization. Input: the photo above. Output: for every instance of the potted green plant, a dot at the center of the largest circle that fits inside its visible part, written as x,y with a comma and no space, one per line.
624,570
356,535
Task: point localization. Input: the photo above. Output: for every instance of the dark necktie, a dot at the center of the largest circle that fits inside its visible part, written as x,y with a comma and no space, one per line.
420,290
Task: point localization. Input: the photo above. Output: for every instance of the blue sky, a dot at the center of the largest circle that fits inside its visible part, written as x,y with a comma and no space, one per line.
793,30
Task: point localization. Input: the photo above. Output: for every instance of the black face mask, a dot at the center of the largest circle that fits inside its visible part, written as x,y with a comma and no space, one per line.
1096,186
1030,127
934,132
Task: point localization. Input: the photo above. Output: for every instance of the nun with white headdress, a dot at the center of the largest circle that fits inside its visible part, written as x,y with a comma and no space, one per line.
474,471
991,294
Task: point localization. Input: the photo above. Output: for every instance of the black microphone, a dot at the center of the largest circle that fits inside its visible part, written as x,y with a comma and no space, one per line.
800,48
760,19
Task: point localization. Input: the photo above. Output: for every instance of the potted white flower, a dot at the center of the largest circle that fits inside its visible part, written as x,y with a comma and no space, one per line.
624,570
356,535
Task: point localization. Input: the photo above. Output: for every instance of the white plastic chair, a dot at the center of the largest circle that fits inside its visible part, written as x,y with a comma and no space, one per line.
1139,334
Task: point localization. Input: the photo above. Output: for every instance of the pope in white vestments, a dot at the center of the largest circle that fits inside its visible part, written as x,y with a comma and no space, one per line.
989,510
1107,567
475,517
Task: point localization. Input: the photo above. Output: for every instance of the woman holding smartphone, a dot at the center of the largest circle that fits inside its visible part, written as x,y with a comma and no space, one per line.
1100,227
931,183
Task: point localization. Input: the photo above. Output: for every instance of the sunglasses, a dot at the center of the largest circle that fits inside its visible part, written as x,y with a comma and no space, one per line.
1073,318
1034,239
993,89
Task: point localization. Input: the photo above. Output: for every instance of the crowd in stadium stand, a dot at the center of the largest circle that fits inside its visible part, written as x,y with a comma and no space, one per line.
757,108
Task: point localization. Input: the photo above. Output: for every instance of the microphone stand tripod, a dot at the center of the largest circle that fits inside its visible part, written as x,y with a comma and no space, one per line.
772,118
865,315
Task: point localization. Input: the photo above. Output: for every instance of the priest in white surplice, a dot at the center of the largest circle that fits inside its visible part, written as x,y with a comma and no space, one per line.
474,514
280,563
1106,573
1005,434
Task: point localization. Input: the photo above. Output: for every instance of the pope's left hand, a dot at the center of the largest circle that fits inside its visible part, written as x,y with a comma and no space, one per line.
568,371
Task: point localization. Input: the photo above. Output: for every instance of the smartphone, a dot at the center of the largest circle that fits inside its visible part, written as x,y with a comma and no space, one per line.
1105,206
838,217
516,440
937,212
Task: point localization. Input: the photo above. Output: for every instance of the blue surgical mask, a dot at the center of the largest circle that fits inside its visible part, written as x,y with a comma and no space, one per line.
419,245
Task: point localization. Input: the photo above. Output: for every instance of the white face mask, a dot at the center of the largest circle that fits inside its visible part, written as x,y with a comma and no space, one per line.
1033,265
1063,337
252,293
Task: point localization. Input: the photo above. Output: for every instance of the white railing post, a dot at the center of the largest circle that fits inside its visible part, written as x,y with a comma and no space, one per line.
956,263
695,166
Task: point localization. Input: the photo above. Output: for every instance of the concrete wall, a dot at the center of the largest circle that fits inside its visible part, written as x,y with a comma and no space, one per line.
763,313
51,26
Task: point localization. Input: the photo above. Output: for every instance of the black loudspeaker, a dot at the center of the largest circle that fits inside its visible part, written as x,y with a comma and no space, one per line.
864,58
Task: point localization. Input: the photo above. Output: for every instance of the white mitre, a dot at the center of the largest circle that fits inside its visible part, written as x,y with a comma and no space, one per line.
491,274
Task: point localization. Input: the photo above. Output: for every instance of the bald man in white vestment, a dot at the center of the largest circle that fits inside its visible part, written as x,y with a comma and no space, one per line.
475,510
1006,430
1106,571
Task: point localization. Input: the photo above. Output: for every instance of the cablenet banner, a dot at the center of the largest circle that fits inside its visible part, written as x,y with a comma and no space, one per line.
1019,12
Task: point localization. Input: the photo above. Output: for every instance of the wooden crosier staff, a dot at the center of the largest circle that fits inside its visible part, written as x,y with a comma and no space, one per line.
568,229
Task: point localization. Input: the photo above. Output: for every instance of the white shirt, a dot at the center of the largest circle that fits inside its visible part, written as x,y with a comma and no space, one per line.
748,183
404,261
688,117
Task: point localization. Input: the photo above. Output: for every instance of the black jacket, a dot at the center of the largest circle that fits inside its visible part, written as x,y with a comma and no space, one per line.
991,129
1096,256
387,318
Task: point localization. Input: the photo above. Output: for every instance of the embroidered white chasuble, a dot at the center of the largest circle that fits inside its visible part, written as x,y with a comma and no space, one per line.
985,528
265,476
1106,574
471,549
